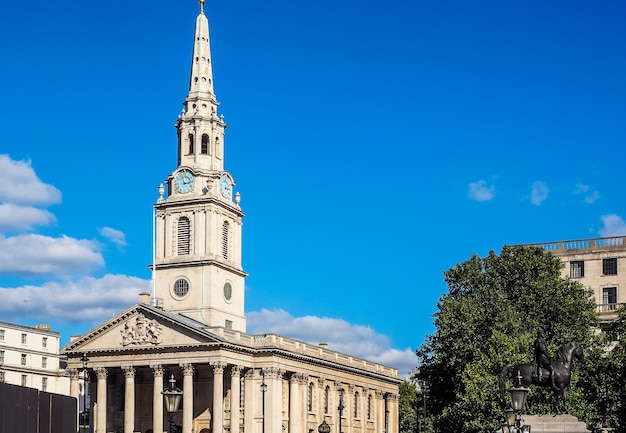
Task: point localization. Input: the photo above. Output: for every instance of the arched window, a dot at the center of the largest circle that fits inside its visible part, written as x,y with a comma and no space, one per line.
225,235
310,398
191,148
326,399
218,148
356,404
369,407
183,236
204,149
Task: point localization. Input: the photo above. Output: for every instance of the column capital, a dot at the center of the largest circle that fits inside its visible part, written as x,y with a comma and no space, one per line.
187,369
101,372
218,367
235,370
380,395
299,378
73,372
129,371
157,370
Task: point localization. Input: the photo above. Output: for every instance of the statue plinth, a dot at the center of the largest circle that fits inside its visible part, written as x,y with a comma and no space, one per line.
555,424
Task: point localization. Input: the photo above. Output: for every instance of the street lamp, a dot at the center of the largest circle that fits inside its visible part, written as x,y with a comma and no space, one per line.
263,391
323,427
172,397
513,414
85,413
341,407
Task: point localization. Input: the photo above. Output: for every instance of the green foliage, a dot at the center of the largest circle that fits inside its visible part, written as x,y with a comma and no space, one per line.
407,407
488,318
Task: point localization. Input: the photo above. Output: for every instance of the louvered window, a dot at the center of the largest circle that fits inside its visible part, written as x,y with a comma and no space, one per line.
183,236
181,287
204,149
225,236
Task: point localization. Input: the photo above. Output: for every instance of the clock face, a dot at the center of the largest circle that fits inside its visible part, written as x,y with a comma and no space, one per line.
184,182
225,186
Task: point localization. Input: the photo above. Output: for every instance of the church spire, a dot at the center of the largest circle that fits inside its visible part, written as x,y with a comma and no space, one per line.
201,80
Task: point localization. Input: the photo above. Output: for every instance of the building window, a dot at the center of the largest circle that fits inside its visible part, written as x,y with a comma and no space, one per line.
369,407
1,334
228,324
609,266
225,233
609,298
44,342
44,362
23,338
356,405
309,400
205,144
326,399
181,287
44,384
1,356
577,269
191,144
23,380
2,377
184,238
23,359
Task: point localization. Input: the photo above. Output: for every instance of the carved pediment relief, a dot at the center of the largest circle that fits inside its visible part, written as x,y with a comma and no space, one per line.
141,331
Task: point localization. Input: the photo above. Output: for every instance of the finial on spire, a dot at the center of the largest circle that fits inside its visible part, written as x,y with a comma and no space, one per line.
202,6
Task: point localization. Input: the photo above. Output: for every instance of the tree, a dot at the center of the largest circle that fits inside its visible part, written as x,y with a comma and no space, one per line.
407,407
489,317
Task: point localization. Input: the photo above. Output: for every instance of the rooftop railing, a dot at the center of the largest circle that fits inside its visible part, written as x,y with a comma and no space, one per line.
583,244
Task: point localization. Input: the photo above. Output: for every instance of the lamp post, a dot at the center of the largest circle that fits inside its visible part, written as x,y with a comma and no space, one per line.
340,408
513,414
172,397
85,413
323,427
263,391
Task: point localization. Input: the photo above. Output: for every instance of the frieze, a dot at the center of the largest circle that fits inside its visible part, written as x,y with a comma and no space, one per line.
141,331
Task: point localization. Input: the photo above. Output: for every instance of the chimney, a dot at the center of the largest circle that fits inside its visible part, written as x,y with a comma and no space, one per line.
144,298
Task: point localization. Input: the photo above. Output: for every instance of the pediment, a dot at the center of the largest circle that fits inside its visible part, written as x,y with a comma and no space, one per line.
143,327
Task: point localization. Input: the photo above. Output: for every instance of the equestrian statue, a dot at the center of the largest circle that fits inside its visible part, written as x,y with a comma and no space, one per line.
546,372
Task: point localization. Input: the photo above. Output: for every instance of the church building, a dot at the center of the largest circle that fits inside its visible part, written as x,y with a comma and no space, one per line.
191,331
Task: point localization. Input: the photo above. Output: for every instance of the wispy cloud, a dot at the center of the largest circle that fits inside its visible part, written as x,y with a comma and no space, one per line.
20,184
113,235
588,195
480,191
87,299
613,225
33,254
539,192
358,340
14,217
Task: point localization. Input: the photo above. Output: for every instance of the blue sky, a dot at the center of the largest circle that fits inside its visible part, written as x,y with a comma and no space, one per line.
374,145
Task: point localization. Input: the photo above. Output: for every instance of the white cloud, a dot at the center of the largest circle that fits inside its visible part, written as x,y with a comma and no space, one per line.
88,299
539,193
16,217
33,254
479,191
20,184
585,191
113,235
357,340
613,225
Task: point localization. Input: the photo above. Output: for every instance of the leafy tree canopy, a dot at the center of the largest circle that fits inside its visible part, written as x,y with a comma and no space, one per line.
488,318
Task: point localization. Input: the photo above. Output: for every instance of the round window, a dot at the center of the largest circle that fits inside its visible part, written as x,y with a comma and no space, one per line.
181,287
228,291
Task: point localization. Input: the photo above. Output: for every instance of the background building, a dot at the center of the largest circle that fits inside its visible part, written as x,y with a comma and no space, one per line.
29,356
192,329
598,263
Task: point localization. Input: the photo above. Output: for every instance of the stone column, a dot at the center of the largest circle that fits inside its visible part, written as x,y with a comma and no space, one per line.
392,408
101,426
74,388
157,399
218,397
294,403
129,399
187,397
273,399
235,397
380,412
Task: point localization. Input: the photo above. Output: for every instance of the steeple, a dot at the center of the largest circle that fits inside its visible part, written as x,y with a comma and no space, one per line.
200,130
197,260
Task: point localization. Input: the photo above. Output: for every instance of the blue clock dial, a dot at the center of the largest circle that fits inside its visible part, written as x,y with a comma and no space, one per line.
225,186
184,182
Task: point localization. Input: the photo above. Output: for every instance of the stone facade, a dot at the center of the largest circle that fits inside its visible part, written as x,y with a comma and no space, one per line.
192,327
598,263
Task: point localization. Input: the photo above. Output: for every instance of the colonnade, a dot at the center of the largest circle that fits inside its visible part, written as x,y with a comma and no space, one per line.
256,404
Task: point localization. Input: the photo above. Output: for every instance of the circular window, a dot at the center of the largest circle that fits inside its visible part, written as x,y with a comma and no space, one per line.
228,291
181,287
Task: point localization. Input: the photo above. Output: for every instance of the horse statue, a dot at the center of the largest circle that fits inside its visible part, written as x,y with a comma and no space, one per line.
561,370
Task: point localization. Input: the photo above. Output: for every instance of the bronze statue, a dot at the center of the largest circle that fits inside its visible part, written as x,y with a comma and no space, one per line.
542,359
561,374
